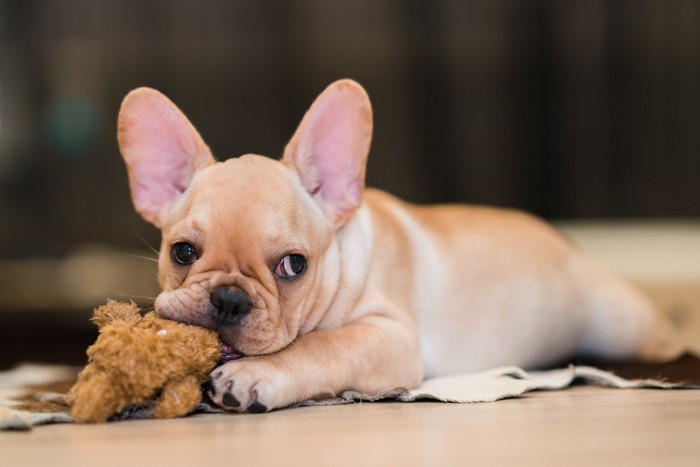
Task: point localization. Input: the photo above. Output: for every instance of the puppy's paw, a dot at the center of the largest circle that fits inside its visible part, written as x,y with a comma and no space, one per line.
250,385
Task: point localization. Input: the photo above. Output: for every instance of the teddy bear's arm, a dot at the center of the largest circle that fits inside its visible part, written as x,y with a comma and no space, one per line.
178,398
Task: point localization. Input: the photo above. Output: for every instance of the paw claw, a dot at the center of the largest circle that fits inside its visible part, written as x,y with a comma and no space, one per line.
257,407
230,400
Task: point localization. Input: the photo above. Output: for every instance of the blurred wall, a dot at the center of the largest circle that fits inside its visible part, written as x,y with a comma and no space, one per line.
571,109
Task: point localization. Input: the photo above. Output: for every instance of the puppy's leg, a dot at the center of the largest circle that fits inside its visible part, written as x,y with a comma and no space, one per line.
369,355
620,323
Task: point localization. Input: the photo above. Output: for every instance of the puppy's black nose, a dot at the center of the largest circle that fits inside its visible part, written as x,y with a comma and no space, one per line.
229,306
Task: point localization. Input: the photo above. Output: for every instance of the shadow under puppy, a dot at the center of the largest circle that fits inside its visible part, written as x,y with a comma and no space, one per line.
317,285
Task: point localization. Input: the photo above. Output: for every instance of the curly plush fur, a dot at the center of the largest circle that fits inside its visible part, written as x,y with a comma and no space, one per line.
138,359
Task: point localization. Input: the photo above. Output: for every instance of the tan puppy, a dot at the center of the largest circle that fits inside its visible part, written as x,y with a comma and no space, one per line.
316,285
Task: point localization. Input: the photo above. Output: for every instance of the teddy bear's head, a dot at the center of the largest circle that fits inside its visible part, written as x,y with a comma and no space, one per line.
140,359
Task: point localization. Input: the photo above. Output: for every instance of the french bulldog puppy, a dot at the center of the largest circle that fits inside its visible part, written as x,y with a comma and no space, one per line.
317,285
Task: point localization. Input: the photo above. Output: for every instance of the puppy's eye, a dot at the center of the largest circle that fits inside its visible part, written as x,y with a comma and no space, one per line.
183,253
290,266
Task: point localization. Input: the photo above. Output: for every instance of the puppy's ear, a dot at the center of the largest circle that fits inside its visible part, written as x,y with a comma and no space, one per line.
162,151
329,149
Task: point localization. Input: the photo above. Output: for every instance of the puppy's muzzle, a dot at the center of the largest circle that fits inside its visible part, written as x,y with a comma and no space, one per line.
229,306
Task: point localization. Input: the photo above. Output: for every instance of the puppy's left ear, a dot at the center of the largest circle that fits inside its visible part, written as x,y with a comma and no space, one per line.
329,149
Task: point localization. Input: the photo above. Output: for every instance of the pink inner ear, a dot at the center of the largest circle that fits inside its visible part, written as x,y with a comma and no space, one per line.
161,149
339,142
334,140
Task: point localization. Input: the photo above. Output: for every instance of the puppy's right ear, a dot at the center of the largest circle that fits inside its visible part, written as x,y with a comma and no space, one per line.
162,151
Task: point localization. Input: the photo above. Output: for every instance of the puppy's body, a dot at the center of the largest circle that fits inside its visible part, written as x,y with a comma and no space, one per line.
321,286
464,260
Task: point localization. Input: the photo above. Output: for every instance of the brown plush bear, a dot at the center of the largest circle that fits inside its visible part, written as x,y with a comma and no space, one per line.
138,360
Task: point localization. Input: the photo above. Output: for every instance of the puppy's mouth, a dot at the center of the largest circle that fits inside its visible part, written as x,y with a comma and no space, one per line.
229,353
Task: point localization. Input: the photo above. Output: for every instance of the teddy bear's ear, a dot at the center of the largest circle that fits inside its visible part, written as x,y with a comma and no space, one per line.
115,311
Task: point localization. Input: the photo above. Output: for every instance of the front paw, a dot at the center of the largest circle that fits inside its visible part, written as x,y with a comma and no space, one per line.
250,385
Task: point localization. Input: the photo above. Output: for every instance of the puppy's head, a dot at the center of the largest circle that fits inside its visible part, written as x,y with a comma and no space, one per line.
246,243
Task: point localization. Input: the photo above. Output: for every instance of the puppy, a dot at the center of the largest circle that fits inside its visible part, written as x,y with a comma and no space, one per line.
317,285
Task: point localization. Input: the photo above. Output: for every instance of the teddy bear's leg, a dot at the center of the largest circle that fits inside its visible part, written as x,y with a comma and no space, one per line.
178,398
93,399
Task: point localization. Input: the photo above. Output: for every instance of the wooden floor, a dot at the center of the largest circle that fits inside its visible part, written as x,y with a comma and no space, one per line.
581,426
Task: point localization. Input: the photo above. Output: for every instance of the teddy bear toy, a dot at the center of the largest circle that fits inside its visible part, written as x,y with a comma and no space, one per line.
142,361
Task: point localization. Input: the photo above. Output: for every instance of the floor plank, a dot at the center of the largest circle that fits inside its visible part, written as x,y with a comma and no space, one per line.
580,426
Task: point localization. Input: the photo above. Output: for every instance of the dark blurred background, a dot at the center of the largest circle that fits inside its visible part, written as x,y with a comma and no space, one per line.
569,109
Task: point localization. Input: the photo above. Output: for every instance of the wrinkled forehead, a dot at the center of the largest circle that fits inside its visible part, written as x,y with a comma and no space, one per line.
251,193
250,173
242,183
